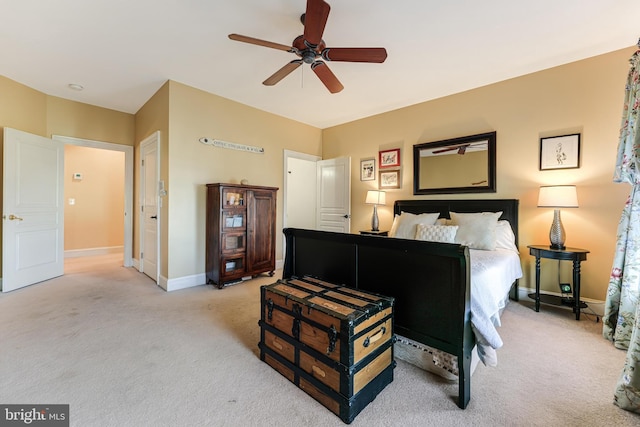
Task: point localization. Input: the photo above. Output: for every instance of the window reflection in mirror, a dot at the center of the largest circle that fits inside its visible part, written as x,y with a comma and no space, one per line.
459,165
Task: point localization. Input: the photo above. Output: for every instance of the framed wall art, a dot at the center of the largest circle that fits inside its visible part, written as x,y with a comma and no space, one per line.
367,169
389,179
560,152
389,158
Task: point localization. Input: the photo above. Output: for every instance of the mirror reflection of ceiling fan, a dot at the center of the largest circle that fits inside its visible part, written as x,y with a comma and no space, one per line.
312,49
463,148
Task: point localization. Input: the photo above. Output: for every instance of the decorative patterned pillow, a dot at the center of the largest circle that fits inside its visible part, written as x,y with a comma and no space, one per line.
436,233
476,230
404,225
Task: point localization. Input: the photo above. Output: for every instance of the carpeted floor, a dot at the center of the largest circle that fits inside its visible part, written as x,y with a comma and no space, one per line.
123,352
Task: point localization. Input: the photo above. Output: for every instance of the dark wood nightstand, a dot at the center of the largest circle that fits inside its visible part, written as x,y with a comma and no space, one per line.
375,233
567,254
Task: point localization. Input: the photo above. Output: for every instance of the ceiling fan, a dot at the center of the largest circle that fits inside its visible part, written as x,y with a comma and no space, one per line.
312,49
462,148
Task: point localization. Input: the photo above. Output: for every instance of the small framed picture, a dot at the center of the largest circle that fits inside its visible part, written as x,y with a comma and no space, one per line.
389,179
367,169
560,152
389,158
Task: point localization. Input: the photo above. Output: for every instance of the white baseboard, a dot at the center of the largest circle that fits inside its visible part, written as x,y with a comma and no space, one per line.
75,253
594,306
185,282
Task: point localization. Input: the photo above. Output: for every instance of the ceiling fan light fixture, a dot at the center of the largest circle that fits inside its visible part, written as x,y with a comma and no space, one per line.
308,56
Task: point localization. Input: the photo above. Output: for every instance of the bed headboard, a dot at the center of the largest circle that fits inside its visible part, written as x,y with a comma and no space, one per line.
509,208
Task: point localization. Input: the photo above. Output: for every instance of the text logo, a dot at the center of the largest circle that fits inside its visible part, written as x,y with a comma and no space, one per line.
34,415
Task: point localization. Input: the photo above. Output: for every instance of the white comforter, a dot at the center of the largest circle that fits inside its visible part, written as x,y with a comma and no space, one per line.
492,274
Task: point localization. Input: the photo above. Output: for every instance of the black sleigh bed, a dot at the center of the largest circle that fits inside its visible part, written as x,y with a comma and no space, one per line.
430,281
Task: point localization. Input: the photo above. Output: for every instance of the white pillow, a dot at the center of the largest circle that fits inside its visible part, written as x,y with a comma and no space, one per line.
505,239
404,225
476,230
436,233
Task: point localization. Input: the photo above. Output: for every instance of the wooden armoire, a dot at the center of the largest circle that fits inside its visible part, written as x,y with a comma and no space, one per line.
240,232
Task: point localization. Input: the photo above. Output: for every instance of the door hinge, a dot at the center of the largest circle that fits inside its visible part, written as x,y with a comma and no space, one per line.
141,255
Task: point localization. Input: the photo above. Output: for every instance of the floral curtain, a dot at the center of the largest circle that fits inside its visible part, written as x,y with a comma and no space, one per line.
621,322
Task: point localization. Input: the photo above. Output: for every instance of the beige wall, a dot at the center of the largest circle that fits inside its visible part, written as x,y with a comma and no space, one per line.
22,108
584,97
95,219
154,117
194,114
69,118
32,111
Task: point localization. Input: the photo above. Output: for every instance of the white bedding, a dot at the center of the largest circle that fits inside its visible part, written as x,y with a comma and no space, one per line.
492,274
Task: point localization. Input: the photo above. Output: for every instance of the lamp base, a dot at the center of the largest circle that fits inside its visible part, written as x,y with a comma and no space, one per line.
374,219
556,234
559,247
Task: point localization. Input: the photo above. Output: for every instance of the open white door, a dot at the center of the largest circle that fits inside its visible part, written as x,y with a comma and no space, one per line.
33,209
334,195
149,222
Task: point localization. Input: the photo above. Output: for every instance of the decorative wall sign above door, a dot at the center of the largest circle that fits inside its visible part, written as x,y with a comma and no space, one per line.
231,145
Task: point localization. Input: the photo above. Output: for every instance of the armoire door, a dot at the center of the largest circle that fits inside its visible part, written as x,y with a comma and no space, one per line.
261,228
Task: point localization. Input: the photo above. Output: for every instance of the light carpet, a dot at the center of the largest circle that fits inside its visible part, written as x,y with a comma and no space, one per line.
123,352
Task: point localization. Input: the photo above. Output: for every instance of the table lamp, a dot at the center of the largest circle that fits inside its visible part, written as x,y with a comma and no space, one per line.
557,196
375,198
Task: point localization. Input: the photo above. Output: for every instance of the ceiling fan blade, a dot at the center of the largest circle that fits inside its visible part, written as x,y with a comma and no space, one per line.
315,19
252,40
461,149
444,150
327,77
282,72
355,54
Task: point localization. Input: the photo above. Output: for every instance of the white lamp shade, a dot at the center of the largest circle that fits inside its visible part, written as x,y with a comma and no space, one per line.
375,197
558,196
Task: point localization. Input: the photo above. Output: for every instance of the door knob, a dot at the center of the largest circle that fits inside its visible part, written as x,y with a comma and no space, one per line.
13,217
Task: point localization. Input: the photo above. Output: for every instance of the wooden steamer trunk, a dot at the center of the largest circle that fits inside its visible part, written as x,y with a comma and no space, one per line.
334,342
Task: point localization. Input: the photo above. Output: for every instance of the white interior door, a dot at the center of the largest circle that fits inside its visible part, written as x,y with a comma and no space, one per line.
300,195
33,209
149,218
334,195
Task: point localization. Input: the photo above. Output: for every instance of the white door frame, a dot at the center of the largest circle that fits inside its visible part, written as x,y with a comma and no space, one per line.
154,138
128,185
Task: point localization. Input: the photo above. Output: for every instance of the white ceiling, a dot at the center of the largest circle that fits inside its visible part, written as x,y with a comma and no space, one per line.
122,51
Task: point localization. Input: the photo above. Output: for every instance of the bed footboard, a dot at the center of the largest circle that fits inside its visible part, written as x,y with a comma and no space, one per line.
429,281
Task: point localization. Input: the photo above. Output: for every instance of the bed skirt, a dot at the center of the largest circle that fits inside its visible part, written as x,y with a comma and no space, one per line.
431,360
